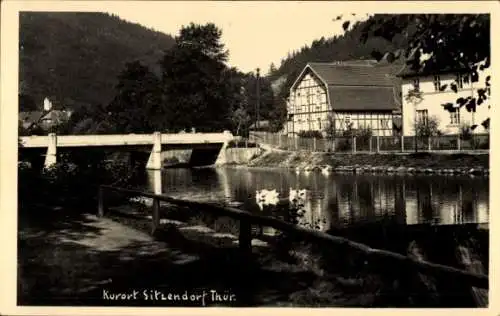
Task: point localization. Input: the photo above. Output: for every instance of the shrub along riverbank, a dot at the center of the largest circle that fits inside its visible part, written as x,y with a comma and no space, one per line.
422,162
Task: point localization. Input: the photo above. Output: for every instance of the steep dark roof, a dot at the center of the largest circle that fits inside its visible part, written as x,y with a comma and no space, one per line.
361,74
362,85
364,98
408,71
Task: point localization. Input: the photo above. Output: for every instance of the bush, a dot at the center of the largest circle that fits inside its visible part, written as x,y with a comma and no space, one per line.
465,132
344,145
423,129
310,134
73,185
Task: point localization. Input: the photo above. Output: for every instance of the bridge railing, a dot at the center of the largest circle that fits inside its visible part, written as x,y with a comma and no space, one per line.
246,219
124,139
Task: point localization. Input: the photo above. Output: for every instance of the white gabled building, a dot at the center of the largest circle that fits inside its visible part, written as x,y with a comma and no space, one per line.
435,92
360,94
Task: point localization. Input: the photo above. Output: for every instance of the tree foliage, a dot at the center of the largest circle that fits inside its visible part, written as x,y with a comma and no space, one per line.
137,104
427,128
193,80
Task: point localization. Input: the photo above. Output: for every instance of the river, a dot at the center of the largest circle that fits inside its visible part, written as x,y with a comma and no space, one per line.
439,212
340,199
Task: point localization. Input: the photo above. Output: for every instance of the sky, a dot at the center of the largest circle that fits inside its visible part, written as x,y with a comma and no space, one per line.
256,34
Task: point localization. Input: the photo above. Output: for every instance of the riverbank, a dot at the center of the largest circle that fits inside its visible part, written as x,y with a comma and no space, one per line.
423,162
78,259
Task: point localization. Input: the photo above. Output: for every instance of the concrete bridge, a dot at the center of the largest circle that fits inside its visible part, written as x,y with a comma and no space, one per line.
207,147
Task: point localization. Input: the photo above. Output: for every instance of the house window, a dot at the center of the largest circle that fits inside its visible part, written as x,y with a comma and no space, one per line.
437,83
384,124
455,117
422,116
416,84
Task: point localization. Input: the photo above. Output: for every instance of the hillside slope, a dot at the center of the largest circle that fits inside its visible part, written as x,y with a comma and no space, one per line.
75,58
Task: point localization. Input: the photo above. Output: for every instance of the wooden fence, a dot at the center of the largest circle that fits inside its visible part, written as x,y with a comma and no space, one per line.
246,220
372,144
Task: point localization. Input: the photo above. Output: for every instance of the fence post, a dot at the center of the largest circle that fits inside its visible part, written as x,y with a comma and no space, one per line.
458,142
429,147
402,143
155,215
245,237
101,206
370,144
314,143
296,139
354,144
378,143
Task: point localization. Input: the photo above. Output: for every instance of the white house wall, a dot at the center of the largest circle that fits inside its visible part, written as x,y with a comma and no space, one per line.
379,123
309,105
310,109
432,102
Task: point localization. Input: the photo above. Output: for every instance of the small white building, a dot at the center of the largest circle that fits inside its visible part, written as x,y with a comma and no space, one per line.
360,94
435,90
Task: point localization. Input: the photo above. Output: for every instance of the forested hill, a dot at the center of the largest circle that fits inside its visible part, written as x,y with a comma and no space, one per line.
76,57
338,48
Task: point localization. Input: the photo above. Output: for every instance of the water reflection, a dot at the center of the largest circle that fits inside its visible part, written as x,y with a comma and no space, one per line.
339,200
436,213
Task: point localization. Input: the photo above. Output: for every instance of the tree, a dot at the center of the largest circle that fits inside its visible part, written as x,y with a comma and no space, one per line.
27,103
272,69
439,42
137,104
194,81
240,115
204,39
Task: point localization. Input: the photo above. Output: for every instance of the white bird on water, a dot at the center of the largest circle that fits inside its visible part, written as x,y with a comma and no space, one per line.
266,197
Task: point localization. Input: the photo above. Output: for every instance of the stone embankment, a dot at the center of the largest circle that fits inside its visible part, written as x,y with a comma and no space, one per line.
397,170
397,163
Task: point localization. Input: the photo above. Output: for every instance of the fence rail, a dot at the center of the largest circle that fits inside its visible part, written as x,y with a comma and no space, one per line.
246,220
373,144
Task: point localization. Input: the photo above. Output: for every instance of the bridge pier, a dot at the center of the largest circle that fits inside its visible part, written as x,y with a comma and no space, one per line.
222,157
154,161
51,156
157,183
